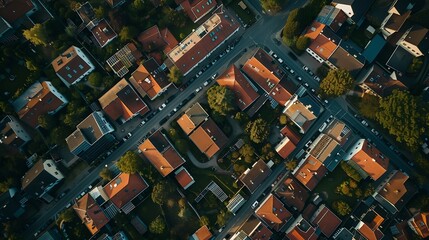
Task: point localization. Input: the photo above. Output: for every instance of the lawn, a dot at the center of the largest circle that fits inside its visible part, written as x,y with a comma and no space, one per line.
246,15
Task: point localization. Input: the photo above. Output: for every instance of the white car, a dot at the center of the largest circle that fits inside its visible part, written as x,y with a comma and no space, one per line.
317,78
306,85
292,71
206,83
326,101
143,122
280,60
305,68
323,127
214,76
275,56
255,204
364,123
162,107
299,78
198,89
308,143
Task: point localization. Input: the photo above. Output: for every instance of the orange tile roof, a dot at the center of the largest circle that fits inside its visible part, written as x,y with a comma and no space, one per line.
326,220
184,178
233,79
103,33
314,30
152,39
90,213
395,188
209,138
293,194
124,188
70,65
371,160
310,172
273,212
301,230
203,233
368,233
192,118
196,9
158,150
287,131
420,224
285,147
323,47
253,177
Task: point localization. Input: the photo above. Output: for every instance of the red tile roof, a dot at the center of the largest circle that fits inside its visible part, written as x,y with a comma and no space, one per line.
233,79
196,9
121,101
209,138
287,131
325,220
285,147
12,10
273,213
368,233
153,39
158,150
396,189
103,33
184,178
293,194
203,233
301,230
192,118
420,224
90,213
309,172
124,188
71,65
253,177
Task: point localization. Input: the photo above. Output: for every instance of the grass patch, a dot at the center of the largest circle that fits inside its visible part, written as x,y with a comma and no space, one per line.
246,15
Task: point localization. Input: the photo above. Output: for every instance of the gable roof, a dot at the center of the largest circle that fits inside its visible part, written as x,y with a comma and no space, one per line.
418,36
12,10
71,65
300,229
420,224
273,212
323,147
339,131
124,188
302,115
123,59
325,220
209,138
121,101
192,118
203,233
346,57
285,147
323,40
197,9
233,79
309,172
360,7
103,33
373,48
149,79
396,21
255,229
184,178
287,131
367,232
12,132
332,17
153,38
254,176
293,194
159,151
90,213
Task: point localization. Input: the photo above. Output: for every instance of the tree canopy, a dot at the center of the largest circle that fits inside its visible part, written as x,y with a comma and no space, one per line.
302,43
342,208
271,6
258,130
369,105
247,152
160,192
36,35
157,226
404,116
221,99
175,76
95,79
127,33
336,83
222,217
106,174
130,162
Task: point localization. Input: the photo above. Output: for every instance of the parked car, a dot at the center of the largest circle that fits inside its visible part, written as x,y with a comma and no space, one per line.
317,78
205,83
308,143
162,107
198,89
323,127
255,204
280,60
299,78
305,68
306,85
365,123
214,76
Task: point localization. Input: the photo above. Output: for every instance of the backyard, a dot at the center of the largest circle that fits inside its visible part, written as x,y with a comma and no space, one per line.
243,11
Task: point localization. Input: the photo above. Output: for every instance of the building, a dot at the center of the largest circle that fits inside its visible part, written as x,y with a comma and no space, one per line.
39,99
354,9
92,137
149,79
208,37
326,150
393,23
102,32
394,192
346,57
367,160
115,3
324,41
300,229
123,59
293,194
273,213
41,178
12,133
332,17
285,147
339,131
10,205
72,66
252,178
419,224
192,118
415,41
121,103
245,92
90,213
123,189
197,9
13,14
154,39
373,48
309,172
159,151
253,228
301,115
325,220
209,138
263,70
184,178
293,136
378,82
203,233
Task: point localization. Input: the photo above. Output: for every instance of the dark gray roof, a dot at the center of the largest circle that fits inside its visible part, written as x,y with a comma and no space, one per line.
400,59
418,36
373,48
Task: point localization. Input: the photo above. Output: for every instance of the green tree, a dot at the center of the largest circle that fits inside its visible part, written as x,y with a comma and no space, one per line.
67,216
204,221
31,65
350,171
342,208
5,185
128,33
258,130
106,174
242,118
283,119
175,76
239,168
247,152
160,192
182,203
292,27
157,226
181,145
221,99
5,108
336,83
415,65
58,135
95,79
291,165
100,12
36,35
222,218
130,162
368,106
302,43
271,6
47,121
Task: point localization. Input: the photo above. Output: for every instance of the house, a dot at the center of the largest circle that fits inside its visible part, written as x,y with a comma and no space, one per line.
273,213
184,178
235,203
393,23
287,131
399,60
121,103
12,133
332,17
415,40
209,138
376,81
115,3
346,57
301,115
123,59
326,150
197,9
300,229
86,13
92,137
419,224
324,41
39,99
373,48
103,33
90,213
253,228
245,92
400,231
253,177
154,39
208,37
149,79
325,220
309,172
369,224
123,189
293,194
263,70
13,14
159,151
10,205
192,118
394,192
354,9
367,159
72,66
203,233
285,147
339,131
41,178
